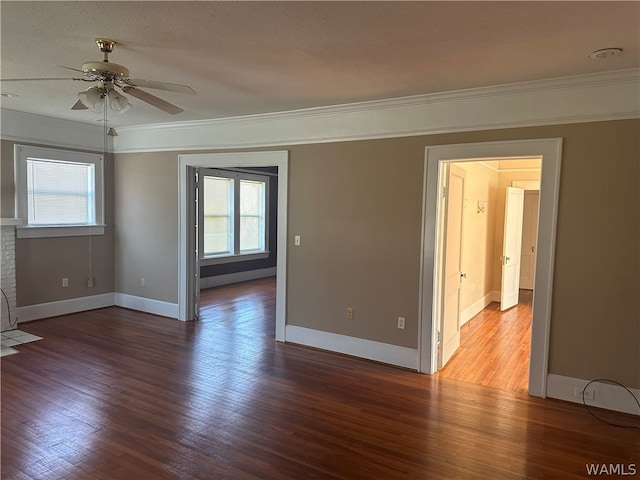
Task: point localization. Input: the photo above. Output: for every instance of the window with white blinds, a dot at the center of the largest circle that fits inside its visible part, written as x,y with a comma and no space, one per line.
233,214
217,226
58,192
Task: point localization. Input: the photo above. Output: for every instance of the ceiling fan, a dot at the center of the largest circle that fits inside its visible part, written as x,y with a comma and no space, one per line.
110,76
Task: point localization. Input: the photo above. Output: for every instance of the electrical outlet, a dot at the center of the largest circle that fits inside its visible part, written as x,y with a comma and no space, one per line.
91,282
350,313
65,282
401,323
589,394
142,282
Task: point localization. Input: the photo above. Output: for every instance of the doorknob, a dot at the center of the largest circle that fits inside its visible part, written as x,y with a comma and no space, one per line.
506,260
533,248
463,275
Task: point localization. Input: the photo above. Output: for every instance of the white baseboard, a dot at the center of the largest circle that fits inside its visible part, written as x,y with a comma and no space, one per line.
358,347
81,304
611,397
475,308
228,279
148,305
63,307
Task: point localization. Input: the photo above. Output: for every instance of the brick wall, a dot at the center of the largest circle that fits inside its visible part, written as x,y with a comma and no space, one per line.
8,275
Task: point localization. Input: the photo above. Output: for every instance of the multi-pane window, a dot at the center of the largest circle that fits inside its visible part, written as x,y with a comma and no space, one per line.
233,214
217,223
58,192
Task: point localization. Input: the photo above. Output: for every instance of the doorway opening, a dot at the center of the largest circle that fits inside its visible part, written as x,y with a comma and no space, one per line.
434,298
188,244
489,232
236,228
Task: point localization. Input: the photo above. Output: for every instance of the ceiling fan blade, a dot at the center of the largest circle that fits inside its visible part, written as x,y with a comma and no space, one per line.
170,87
35,79
70,68
153,100
78,106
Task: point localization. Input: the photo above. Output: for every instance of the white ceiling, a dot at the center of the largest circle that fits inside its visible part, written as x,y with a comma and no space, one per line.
257,57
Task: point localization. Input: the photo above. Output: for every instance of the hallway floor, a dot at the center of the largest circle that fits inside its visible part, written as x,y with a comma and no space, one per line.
494,347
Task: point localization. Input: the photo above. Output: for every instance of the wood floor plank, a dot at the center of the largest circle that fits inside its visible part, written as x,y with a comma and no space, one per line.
118,394
495,347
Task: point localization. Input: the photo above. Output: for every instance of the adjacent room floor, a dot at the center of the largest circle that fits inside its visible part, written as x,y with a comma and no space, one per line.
495,347
118,394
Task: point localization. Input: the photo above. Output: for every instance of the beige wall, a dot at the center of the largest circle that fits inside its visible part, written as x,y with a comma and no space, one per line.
595,330
41,263
478,232
597,272
146,218
357,207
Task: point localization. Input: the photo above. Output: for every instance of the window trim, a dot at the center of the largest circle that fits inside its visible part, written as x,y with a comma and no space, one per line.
236,256
232,258
24,152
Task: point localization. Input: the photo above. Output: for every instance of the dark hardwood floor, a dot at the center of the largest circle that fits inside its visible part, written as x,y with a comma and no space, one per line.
118,394
495,347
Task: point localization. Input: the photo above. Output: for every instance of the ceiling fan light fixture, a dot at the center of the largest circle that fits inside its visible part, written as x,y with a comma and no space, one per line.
109,76
99,106
118,102
93,99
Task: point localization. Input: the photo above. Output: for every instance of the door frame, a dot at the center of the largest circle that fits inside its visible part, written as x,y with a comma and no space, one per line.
277,158
550,150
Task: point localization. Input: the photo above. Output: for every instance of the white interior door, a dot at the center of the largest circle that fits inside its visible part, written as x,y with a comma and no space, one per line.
454,202
529,239
511,247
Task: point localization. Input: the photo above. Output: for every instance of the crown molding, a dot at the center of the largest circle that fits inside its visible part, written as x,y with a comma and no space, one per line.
23,127
575,99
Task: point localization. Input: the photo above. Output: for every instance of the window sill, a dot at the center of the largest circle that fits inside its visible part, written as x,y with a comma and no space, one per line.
243,257
50,232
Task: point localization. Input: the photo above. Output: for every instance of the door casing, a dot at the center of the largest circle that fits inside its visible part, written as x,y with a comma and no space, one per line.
550,150
277,158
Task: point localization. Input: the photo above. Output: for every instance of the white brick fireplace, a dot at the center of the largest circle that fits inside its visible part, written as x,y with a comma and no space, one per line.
8,271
